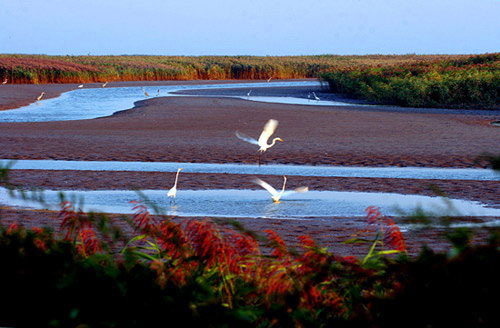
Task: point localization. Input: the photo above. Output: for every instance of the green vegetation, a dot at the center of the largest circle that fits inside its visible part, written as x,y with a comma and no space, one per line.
80,69
472,82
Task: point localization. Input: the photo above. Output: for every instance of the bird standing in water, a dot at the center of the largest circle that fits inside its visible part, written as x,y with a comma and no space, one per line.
173,191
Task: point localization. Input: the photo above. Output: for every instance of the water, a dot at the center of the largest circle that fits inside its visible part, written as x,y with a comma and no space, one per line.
258,203
91,103
274,169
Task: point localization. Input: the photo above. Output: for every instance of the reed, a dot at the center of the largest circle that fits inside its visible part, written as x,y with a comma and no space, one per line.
85,69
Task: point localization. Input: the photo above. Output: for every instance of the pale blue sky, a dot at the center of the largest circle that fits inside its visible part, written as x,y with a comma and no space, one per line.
252,27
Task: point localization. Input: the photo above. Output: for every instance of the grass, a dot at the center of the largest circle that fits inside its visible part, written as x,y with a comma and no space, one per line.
471,82
84,69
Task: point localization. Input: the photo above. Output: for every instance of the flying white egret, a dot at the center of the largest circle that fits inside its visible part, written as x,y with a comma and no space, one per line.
5,81
40,96
80,86
105,84
267,132
315,97
173,191
275,195
145,92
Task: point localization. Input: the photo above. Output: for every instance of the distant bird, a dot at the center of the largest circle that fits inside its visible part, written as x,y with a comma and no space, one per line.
173,191
315,97
158,93
105,84
269,79
275,195
80,86
267,132
40,96
309,96
5,81
145,92
249,92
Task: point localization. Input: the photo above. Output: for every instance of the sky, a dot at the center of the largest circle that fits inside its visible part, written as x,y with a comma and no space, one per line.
250,27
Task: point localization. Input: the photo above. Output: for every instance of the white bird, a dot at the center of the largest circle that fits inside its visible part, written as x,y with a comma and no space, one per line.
275,195
249,92
145,92
315,97
267,132
105,84
173,191
80,86
309,96
40,96
269,79
5,81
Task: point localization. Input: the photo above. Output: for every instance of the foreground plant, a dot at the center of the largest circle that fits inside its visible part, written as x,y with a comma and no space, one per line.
194,272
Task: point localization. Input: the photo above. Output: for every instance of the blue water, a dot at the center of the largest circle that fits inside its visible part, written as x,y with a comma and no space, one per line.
273,169
258,203
91,103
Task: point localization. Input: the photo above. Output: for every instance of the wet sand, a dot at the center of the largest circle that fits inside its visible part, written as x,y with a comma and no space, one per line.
195,129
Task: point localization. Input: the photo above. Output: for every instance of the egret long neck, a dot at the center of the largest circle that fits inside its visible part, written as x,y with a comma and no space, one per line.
284,185
177,177
274,141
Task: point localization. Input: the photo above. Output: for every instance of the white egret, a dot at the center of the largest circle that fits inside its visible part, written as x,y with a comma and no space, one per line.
249,92
173,191
315,97
105,84
267,132
275,195
5,81
40,96
80,86
269,79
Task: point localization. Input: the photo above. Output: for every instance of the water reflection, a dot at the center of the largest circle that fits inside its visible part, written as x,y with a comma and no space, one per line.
257,204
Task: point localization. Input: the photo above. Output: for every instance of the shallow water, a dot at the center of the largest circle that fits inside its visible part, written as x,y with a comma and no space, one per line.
272,169
258,204
100,102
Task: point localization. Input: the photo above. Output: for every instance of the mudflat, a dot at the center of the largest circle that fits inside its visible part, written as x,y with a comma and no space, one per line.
202,129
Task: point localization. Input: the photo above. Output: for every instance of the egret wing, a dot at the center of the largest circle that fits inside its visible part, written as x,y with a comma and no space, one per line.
268,131
246,138
266,186
299,190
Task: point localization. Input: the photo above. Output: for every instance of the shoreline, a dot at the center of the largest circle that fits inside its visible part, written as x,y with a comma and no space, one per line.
195,129
21,95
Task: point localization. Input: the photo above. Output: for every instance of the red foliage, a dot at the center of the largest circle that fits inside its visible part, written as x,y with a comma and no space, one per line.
392,236
72,221
142,219
87,242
